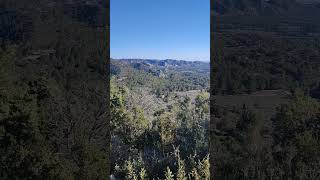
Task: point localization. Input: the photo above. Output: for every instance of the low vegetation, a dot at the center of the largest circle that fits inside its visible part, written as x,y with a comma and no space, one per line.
167,140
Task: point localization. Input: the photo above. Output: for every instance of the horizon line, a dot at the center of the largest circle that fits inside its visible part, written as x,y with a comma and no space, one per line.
157,59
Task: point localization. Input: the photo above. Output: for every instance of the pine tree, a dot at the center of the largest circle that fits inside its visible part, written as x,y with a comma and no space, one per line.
202,104
181,173
168,174
204,168
130,172
166,128
194,174
143,174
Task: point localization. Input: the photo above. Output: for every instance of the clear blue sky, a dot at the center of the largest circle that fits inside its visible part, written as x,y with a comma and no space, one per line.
160,29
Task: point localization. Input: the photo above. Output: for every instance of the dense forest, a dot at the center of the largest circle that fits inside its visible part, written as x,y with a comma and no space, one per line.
160,118
53,90
265,87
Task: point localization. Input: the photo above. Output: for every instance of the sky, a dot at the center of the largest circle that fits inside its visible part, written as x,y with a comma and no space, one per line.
160,29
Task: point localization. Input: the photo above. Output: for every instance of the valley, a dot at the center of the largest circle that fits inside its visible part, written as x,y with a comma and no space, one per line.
160,118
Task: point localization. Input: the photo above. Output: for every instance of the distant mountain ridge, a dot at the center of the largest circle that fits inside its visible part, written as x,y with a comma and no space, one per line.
155,61
265,7
161,75
179,65
284,17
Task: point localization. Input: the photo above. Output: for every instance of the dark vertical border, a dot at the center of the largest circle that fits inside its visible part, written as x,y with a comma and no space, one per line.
212,26
56,62
107,33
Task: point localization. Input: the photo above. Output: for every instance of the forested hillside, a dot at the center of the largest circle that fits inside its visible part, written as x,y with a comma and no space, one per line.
160,118
53,90
265,81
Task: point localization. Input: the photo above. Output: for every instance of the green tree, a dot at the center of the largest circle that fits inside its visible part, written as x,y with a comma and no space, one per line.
296,137
166,127
24,148
129,125
202,104
204,168
194,174
130,171
181,172
168,174
143,174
